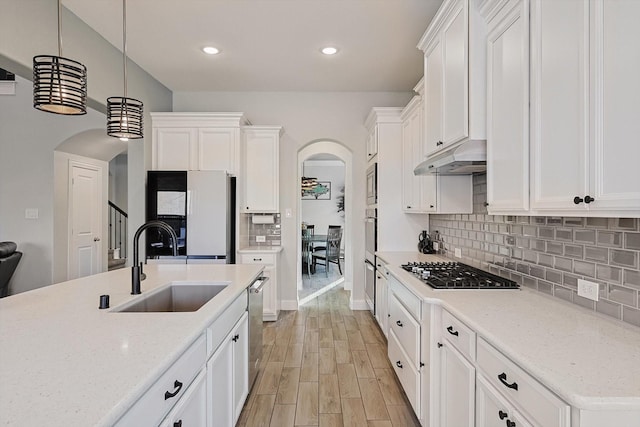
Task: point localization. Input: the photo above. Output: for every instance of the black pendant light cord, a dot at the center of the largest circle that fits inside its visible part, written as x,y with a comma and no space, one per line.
124,43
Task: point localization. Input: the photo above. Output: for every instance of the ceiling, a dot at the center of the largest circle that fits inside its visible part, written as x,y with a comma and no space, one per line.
269,45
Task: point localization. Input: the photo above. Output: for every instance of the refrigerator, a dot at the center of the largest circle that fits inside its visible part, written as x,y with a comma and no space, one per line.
201,208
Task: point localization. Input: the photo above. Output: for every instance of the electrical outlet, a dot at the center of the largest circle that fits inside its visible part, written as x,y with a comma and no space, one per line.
261,239
588,289
458,253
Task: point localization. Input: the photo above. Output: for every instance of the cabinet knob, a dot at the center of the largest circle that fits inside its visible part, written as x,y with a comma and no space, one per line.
408,207
502,415
247,207
431,206
511,423
486,204
439,345
399,364
439,143
235,338
399,323
588,199
97,239
577,200
177,423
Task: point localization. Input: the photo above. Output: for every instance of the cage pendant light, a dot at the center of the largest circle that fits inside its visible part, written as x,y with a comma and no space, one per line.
124,115
59,84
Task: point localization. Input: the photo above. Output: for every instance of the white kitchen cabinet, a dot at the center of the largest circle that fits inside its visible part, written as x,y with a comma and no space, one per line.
261,167
270,303
372,143
492,410
191,410
455,107
507,106
228,377
196,141
584,108
382,298
457,389
428,193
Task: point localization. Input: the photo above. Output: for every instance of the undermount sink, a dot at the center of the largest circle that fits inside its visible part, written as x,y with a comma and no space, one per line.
175,297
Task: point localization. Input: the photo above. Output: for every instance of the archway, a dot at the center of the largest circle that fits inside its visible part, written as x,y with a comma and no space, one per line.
325,146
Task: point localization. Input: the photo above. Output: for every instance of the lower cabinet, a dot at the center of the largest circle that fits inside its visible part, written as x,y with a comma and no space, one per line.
382,304
191,410
457,389
492,410
270,303
228,376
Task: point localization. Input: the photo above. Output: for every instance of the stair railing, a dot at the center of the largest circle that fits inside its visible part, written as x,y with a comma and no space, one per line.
118,229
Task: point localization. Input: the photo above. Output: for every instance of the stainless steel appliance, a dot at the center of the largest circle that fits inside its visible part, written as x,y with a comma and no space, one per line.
370,247
456,275
200,207
463,159
255,327
372,184
370,286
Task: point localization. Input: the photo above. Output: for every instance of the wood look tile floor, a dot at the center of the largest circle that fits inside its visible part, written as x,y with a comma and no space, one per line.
326,365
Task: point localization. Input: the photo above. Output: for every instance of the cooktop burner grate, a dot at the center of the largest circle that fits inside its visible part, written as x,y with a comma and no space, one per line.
455,275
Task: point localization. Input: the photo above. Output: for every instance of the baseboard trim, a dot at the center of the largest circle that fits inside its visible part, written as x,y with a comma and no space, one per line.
289,305
358,305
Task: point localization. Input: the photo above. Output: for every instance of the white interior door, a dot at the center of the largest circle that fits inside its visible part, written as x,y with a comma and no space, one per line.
85,220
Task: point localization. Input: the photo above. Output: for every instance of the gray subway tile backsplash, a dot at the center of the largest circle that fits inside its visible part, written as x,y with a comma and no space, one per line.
550,254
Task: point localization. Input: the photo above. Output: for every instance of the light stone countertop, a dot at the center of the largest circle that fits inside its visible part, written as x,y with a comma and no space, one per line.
591,361
64,362
260,249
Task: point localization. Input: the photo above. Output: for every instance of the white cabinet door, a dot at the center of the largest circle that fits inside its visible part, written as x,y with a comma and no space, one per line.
492,410
433,98
261,169
372,143
218,149
457,389
220,385
508,110
228,376
382,303
173,148
615,90
270,303
559,104
191,410
240,339
455,95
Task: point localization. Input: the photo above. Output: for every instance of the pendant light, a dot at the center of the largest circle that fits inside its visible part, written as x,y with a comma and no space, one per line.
59,84
124,115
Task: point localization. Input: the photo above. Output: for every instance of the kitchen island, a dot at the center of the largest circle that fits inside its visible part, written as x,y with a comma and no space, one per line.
64,362
589,361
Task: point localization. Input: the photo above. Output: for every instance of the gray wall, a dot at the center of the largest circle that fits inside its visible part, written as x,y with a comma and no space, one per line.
305,117
549,254
28,137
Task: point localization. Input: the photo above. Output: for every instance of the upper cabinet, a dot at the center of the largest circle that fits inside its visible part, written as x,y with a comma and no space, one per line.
584,108
454,109
372,143
261,166
196,141
507,105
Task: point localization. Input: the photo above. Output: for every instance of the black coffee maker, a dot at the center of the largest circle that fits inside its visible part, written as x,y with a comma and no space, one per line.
425,244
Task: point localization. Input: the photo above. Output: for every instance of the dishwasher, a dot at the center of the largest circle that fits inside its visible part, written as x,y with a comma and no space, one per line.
255,327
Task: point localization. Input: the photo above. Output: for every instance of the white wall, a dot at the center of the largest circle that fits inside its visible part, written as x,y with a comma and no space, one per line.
118,178
323,213
306,117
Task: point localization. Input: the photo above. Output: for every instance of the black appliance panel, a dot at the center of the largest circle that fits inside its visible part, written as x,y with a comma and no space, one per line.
456,275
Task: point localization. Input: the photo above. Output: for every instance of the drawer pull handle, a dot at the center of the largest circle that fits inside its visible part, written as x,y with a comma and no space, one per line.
399,323
503,379
502,415
451,331
398,364
169,395
511,423
177,423
439,345
235,338
257,259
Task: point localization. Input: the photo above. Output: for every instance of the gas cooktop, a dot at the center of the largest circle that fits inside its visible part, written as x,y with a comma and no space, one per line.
455,275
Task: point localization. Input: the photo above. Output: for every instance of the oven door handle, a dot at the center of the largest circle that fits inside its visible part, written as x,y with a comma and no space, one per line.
256,287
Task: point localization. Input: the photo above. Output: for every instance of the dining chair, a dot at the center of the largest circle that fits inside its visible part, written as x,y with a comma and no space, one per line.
321,247
306,250
331,253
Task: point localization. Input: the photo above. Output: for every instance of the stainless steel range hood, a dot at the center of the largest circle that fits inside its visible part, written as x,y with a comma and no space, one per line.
464,159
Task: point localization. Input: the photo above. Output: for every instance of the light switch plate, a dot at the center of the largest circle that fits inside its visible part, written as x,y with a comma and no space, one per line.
31,213
458,253
588,289
261,239
288,213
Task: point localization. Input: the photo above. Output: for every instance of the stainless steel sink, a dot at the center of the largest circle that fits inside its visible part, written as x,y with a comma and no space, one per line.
175,297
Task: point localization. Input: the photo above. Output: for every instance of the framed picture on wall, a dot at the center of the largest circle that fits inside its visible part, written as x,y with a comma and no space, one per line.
322,191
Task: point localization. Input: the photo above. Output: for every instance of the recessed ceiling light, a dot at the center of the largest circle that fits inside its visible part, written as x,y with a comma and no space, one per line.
210,50
329,50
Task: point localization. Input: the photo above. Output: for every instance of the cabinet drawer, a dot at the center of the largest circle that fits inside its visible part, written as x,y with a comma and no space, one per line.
407,330
152,407
408,375
492,410
191,410
459,335
258,259
404,295
220,327
540,405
